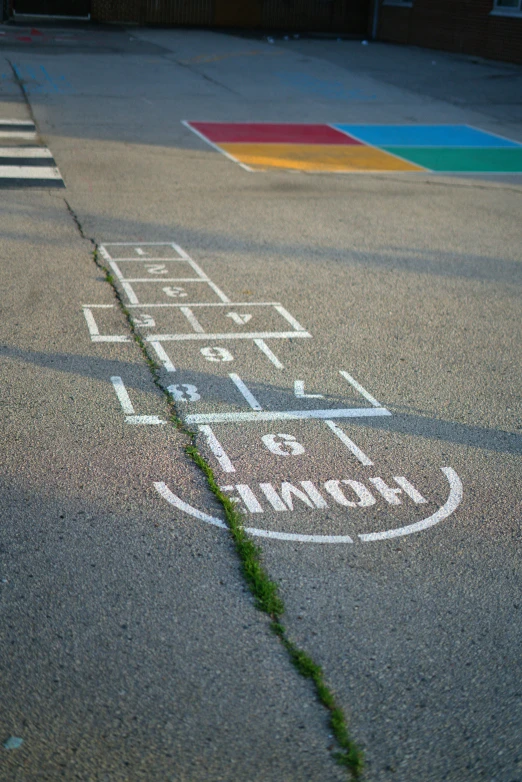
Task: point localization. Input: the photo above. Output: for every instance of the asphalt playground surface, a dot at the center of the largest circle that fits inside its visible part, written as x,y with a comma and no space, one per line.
346,347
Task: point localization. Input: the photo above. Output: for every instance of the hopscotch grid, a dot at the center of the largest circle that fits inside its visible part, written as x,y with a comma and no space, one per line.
257,414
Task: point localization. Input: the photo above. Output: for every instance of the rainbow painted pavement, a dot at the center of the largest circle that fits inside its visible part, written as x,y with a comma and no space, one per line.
362,148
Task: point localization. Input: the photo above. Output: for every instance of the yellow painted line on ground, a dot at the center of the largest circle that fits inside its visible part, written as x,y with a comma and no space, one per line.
317,157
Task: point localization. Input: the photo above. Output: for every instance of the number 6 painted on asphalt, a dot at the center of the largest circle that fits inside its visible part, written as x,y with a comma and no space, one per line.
293,448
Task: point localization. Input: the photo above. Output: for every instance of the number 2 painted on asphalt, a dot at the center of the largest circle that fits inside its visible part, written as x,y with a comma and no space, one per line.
156,268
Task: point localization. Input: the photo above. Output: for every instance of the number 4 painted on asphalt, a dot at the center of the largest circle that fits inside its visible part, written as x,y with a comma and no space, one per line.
238,318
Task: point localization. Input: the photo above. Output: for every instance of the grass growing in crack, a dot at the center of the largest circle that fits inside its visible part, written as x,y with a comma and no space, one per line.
262,588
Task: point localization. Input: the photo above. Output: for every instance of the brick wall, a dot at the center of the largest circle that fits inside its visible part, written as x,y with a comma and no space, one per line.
465,26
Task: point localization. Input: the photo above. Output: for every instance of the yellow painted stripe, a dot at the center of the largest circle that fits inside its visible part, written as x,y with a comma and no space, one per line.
318,157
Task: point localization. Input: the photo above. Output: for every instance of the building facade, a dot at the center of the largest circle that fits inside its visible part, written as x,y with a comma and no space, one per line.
485,28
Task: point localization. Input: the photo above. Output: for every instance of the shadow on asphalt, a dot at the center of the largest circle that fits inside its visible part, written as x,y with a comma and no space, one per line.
413,424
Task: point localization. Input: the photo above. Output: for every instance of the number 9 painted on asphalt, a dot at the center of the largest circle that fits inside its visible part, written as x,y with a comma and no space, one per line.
286,445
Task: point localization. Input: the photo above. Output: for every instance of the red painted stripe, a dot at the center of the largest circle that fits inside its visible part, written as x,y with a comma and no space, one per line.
271,132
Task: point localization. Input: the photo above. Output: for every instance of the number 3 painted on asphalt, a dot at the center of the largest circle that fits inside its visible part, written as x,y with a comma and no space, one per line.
293,448
174,291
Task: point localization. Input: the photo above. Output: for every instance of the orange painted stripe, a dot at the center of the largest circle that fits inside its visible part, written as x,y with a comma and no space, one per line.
317,157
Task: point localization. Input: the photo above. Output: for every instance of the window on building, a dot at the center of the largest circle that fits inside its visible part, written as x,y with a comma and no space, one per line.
507,6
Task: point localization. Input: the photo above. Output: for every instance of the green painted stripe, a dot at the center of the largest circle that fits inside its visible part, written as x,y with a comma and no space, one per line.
498,160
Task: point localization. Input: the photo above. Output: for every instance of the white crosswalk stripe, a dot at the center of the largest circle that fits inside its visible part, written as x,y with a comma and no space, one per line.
23,165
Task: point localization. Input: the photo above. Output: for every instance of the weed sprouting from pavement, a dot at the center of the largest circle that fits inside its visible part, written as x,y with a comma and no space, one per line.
264,591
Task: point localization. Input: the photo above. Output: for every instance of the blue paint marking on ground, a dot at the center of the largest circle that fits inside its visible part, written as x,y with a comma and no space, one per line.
38,81
325,88
425,136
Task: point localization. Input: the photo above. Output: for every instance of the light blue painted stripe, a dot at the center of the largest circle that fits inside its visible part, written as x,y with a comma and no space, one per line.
425,136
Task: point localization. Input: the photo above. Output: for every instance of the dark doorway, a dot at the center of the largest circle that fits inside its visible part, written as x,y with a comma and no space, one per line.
74,8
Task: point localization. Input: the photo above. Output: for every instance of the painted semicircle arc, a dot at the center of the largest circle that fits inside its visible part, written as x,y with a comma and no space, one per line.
451,504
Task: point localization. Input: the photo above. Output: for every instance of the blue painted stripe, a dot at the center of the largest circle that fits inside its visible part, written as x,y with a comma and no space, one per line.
425,136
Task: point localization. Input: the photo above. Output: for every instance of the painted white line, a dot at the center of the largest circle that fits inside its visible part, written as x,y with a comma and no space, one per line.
194,322
360,455
264,533
18,134
217,449
133,299
286,415
117,271
490,133
261,344
165,492
36,152
452,503
358,387
243,389
199,271
111,339
121,393
290,318
29,172
27,122
163,356
93,328
299,391
91,323
212,304
224,298
180,251
215,146
219,292
230,335
153,420
162,279
103,252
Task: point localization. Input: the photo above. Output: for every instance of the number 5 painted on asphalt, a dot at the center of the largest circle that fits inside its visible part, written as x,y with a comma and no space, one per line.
217,354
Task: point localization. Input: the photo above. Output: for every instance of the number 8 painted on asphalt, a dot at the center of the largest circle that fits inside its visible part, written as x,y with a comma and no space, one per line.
217,354
184,393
